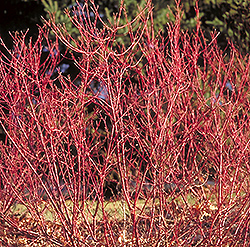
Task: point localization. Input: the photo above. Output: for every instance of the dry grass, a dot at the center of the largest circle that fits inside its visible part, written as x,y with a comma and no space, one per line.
121,223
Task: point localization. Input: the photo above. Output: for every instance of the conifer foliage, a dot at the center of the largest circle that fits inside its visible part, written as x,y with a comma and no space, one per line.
147,146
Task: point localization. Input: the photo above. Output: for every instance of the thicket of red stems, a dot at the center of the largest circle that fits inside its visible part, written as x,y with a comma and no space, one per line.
171,133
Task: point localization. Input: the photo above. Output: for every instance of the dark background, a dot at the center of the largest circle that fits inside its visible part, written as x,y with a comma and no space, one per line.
230,17
17,15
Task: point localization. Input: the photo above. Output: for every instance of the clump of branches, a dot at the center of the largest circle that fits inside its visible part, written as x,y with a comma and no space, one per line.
149,148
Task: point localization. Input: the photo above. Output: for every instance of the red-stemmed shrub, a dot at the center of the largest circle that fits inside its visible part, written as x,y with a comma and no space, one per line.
148,146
